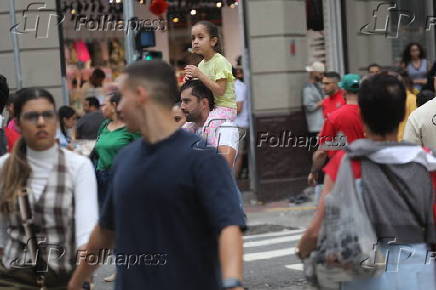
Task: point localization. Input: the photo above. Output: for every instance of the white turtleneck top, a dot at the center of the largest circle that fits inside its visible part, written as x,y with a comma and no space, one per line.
84,184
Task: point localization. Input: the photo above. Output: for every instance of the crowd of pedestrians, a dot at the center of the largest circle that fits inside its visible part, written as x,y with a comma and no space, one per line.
159,191
384,124
160,177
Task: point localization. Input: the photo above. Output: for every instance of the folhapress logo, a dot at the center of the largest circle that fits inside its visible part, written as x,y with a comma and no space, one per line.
36,18
387,19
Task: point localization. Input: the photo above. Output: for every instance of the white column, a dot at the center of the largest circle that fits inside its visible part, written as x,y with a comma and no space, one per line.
232,33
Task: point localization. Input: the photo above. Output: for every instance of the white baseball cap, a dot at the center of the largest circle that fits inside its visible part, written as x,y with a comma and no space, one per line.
316,66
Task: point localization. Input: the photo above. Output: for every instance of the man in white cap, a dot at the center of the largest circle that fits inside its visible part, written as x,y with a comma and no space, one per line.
313,97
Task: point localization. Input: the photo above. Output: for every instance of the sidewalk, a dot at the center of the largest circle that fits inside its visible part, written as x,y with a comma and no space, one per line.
279,213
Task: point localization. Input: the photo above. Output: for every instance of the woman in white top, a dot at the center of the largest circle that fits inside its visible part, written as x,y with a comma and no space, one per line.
62,193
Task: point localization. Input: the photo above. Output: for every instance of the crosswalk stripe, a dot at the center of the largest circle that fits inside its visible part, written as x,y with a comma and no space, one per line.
272,241
297,267
276,234
269,254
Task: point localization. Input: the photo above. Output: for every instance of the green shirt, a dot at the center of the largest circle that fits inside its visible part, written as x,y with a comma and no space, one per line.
218,68
109,143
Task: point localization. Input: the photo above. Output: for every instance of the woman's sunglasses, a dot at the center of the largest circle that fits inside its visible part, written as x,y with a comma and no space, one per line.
33,116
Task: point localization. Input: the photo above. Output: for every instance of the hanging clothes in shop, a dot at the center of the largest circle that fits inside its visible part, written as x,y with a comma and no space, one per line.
82,51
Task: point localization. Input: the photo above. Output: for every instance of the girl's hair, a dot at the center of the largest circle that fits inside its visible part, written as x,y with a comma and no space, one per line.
65,112
213,31
16,171
406,54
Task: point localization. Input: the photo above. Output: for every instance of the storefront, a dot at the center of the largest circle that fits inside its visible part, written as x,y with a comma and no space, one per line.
283,36
95,34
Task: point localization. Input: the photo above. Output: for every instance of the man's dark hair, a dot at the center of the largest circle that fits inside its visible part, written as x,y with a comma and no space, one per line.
156,76
423,97
93,102
382,100
4,92
200,91
373,65
332,75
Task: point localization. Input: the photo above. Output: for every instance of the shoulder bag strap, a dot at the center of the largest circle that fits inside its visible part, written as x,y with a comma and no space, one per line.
27,218
394,183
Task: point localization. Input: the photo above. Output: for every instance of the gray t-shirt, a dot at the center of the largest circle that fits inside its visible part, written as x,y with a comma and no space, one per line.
88,125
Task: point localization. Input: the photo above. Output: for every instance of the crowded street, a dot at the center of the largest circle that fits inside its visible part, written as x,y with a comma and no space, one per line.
217,145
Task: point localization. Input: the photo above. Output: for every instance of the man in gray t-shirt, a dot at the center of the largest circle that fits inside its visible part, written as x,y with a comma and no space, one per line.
312,98
88,125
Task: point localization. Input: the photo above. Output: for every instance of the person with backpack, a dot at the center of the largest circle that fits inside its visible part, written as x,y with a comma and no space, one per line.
394,183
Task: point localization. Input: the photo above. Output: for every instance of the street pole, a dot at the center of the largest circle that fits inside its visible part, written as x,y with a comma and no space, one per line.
16,49
129,48
62,54
243,7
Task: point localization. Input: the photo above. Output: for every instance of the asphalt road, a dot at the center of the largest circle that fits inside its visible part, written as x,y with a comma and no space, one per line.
269,262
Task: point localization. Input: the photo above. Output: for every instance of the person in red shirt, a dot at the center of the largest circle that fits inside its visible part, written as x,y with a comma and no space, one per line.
397,198
12,132
335,95
12,137
341,127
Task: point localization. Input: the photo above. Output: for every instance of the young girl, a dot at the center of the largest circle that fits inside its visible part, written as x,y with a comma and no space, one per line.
67,120
62,198
214,71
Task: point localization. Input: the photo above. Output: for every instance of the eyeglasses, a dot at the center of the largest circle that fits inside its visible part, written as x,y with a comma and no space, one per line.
33,116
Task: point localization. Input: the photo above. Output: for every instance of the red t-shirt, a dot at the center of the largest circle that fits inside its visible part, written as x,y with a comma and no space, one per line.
333,102
12,137
345,121
332,168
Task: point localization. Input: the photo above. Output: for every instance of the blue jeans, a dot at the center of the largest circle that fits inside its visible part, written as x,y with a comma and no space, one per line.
102,186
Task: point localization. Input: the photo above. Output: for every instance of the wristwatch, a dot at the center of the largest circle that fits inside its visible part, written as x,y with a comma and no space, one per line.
231,283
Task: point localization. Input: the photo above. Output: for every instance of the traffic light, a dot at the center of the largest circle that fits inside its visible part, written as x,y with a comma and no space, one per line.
151,54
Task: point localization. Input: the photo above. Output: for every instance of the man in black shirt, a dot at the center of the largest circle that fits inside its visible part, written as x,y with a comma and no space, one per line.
172,210
89,124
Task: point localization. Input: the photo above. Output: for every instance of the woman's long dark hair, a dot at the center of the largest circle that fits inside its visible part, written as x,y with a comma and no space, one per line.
16,171
407,58
65,112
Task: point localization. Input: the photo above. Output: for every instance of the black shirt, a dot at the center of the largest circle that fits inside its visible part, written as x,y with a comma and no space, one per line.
89,124
167,203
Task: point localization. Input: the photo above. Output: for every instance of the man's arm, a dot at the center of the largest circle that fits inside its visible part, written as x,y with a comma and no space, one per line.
231,253
100,239
318,160
228,153
239,106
